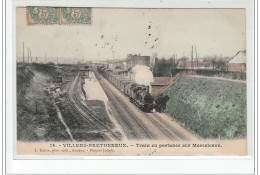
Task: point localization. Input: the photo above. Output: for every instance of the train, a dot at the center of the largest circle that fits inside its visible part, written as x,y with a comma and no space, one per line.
137,94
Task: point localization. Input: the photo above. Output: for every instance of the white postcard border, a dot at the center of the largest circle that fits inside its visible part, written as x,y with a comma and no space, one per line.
124,164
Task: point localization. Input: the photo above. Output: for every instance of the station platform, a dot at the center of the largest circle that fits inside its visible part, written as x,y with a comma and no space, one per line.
93,89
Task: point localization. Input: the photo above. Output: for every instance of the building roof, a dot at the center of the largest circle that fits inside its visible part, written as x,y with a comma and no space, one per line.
113,61
240,57
160,81
136,56
129,57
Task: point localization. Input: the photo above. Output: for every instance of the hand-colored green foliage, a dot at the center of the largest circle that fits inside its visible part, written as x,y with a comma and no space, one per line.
36,115
164,67
208,107
37,118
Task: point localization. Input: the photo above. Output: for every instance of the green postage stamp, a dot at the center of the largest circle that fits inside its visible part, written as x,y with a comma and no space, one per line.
59,15
42,15
72,15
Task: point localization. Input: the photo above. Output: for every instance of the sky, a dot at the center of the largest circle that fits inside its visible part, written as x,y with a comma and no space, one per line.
116,32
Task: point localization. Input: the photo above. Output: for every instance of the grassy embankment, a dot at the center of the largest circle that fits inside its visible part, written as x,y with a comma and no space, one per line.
37,118
209,108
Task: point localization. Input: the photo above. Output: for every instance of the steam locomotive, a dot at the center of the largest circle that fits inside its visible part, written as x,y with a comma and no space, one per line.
138,94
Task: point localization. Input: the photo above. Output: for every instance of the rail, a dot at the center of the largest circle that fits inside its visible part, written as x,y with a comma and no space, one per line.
89,115
139,130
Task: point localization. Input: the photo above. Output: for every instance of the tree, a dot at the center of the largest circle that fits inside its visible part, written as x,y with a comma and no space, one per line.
164,67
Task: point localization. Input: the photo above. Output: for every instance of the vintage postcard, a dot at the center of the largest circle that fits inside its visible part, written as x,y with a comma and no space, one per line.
128,82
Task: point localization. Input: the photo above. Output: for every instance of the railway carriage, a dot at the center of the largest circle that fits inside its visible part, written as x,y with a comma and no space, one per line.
138,94
124,85
120,83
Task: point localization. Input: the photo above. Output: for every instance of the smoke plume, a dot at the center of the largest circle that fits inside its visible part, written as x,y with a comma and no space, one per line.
142,75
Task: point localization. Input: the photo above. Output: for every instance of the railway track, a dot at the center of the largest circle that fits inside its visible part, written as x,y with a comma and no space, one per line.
137,127
89,115
167,130
170,131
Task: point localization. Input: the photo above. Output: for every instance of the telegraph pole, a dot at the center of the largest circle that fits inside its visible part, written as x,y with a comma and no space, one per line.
192,56
113,54
23,53
28,52
45,57
196,55
31,56
196,52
